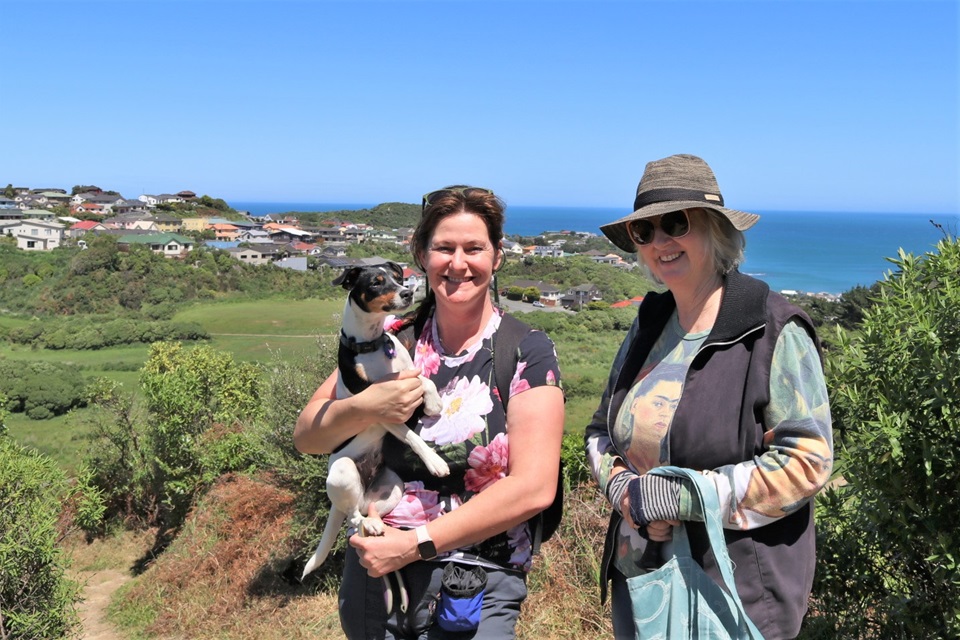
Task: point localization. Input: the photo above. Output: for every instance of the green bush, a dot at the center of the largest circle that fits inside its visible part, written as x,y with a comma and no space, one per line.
291,381
889,550
150,460
119,457
187,392
42,390
36,598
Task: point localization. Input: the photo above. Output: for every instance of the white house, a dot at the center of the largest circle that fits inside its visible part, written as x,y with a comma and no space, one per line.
35,235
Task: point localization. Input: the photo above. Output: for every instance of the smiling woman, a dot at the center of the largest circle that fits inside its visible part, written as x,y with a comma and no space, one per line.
478,515
717,375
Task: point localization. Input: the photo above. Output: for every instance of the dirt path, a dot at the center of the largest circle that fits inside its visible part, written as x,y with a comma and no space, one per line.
99,587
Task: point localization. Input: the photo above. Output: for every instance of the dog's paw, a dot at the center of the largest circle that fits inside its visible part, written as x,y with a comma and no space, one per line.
432,404
371,527
436,464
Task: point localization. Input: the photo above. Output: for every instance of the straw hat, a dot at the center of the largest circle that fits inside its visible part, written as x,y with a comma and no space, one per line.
678,182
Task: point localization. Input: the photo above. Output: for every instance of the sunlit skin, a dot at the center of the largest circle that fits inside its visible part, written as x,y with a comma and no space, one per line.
684,265
459,263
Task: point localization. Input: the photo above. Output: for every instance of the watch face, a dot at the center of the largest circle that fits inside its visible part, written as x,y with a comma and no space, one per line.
427,550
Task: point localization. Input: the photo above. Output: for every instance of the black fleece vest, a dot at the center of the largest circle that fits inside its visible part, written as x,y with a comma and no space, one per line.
719,421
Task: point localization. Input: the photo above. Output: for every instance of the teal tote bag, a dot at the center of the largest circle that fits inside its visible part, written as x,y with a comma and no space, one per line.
679,600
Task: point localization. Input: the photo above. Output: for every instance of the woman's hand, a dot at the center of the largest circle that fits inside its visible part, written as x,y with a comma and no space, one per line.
394,398
327,422
661,530
385,554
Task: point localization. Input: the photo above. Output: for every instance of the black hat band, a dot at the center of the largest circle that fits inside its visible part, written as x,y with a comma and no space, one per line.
665,195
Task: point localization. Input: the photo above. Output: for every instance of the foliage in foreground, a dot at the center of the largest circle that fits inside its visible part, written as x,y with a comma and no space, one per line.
151,460
889,547
36,597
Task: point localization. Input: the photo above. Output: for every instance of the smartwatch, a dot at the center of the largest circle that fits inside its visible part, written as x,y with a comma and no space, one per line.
425,546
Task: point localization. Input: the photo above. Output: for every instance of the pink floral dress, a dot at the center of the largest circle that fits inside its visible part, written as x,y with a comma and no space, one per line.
471,434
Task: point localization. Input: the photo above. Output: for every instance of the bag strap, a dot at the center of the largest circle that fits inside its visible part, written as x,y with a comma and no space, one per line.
704,493
506,347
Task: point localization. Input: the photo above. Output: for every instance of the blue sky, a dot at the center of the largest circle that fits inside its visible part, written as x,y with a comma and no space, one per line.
812,105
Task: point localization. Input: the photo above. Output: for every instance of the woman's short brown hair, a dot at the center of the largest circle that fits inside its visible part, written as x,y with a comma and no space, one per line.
452,200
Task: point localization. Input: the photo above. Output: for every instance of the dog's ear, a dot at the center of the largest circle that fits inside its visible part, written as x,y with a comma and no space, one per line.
348,278
397,271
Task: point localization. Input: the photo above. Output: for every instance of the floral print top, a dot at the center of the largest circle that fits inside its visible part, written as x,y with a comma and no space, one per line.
471,435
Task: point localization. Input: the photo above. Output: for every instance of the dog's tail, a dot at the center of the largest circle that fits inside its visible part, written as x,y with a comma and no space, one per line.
330,531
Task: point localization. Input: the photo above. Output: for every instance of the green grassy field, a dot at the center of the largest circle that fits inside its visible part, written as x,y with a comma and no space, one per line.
262,331
266,317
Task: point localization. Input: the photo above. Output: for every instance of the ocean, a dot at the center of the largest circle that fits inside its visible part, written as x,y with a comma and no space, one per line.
815,252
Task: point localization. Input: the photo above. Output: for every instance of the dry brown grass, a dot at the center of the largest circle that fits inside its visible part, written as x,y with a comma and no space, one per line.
564,600
223,576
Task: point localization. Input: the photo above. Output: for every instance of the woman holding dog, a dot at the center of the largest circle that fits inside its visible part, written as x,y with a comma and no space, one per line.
504,462
748,408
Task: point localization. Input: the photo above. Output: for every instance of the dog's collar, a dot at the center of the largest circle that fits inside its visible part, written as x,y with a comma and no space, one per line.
383,342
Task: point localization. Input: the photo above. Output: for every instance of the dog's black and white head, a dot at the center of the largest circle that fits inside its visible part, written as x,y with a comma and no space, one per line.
377,289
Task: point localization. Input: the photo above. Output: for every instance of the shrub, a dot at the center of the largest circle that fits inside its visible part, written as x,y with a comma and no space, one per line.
119,456
36,598
291,381
187,391
890,565
42,389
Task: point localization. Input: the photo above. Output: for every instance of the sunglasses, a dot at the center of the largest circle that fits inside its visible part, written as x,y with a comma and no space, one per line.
675,224
466,192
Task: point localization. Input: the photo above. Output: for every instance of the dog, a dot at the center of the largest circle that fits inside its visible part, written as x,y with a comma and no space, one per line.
355,476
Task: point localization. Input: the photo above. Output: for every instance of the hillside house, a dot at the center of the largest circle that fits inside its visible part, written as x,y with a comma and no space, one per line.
254,236
35,235
167,224
83,227
251,255
225,232
286,235
549,294
169,245
576,297
329,234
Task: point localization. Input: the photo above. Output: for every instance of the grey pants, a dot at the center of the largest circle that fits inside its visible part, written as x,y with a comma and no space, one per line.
363,611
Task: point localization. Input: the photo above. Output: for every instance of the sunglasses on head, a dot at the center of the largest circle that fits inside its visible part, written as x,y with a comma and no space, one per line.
466,192
675,224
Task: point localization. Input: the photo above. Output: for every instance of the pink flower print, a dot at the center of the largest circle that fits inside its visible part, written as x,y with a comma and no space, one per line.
518,384
488,464
417,506
462,416
551,378
426,358
392,324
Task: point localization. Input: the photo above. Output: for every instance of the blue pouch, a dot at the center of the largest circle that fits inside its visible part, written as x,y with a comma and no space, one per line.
461,597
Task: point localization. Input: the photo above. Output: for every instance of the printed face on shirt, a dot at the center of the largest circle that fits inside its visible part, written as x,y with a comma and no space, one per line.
460,260
651,413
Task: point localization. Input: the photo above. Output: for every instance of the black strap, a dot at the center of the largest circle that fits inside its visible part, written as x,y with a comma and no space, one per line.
383,342
506,353
677,194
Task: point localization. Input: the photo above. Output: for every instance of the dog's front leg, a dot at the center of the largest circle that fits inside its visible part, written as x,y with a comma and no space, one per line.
432,404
